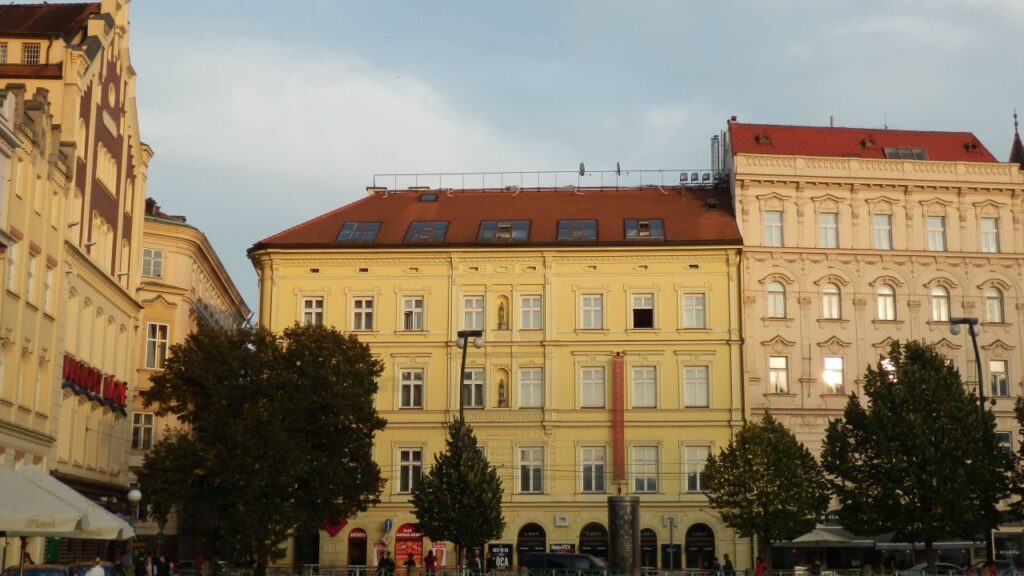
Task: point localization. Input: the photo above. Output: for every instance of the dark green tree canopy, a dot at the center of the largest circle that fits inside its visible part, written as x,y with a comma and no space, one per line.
919,460
459,499
767,484
284,419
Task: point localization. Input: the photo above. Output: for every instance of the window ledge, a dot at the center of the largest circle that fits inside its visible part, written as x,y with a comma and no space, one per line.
593,331
704,330
776,318
878,322
834,394
937,322
997,324
642,330
783,394
840,321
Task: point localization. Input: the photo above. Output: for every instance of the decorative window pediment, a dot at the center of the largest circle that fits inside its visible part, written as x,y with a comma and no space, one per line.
827,203
772,201
884,345
944,281
998,348
1003,285
946,347
935,207
832,278
882,205
987,208
778,277
778,344
834,345
890,280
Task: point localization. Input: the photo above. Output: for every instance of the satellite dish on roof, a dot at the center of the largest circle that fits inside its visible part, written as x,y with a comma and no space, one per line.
582,169
618,169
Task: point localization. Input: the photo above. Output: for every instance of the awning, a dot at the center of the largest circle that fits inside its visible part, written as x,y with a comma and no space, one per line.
825,536
26,509
96,522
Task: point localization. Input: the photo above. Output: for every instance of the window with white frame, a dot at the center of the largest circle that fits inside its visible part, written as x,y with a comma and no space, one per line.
592,387
695,459
412,313
694,311
645,387
833,375
881,225
886,295
530,312
156,345
772,228
1005,440
30,277
3,52
643,310
831,303
30,52
990,235
998,378
152,262
645,469
828,230
142,431
411,385
473,388
313,311
531,388
695,386
362,313
593,461
473,312
940,304
48,290
778,374
936,233
994,305
410,466
592,311
531,470
775,300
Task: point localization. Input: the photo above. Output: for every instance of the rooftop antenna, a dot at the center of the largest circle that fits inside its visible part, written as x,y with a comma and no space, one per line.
831,121
618,169
1014,118
582,169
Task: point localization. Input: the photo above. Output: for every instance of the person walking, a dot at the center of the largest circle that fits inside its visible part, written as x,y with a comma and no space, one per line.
164,566
727,569
410,565
386,567
475,566
759,567
430,563
492,564
96,569
716,566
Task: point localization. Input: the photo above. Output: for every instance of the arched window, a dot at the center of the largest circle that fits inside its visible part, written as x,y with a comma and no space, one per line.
994,305
831,307
940,304
886,302
775,300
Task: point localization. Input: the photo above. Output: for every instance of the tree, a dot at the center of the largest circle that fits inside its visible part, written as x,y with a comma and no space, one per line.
767,484
459,499
919,460
279,435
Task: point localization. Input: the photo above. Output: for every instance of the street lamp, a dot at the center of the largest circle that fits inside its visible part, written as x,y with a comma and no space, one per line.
134,496
478,342
974,329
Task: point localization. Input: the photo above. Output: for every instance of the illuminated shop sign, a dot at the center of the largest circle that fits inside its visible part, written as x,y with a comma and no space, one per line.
84,380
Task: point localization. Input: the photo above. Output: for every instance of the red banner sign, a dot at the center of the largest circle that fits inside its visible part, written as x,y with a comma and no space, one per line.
92,380
618,418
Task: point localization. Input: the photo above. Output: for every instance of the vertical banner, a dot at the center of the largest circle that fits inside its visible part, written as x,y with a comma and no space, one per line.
618,419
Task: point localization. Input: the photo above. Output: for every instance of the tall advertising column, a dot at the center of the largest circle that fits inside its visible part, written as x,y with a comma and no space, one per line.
624,534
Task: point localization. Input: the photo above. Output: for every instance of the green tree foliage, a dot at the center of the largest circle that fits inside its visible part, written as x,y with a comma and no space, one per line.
459,499
919,460
767,484
280,435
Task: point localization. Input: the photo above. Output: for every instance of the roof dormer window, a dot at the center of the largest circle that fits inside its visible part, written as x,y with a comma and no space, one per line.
905,153
427,231
504,231
358,232
651,229
577,230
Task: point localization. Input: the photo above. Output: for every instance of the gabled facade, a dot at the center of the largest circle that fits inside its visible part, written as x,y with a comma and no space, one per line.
611,360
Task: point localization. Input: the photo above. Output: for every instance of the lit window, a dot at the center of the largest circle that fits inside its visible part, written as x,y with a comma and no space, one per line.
778,374
152,262
645,469
433,231
531,470
473,388
828,230
156,345
1000,382
412,313
142,431
30,53
937,233
772,228
362,313
643,311
504,231
531,388
696,458
833,375
990,235
695,387
530,312
473,312
592,387
592,311
577,230
694,311
645,387
886,302
775,300
358,232
882,227
411,388
593,461
410,463
313,311
994,305
645,229
940,304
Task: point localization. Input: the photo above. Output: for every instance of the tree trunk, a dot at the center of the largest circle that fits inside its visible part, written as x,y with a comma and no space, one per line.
764,550
929,555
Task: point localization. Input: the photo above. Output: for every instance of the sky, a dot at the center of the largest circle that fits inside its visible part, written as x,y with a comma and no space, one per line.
265,114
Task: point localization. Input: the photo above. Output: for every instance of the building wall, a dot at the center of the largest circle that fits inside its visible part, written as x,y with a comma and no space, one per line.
560,348
909,192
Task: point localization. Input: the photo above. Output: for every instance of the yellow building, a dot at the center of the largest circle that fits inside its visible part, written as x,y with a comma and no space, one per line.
184,286
611,364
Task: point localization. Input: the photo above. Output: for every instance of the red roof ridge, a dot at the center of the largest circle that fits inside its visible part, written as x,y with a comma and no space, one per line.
881,129
314,219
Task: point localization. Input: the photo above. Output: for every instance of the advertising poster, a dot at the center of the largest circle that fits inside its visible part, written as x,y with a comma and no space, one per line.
378,553
441,552
408,540
562,548
502,554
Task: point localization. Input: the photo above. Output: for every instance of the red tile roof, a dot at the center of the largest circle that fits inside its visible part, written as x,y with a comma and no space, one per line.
42,19
855,142
685,217
9,71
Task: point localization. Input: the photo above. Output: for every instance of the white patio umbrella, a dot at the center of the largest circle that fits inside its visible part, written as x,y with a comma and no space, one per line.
96,524
26,509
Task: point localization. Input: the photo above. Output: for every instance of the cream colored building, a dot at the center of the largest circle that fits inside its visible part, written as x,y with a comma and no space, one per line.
854,238
611,363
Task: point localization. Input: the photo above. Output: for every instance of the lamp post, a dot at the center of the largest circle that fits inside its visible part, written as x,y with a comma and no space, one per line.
974,329
134,496
463,343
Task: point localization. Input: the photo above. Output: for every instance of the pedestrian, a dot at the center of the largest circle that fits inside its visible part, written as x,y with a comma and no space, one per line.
163,566
727,566
386,566
492,564
410,565
990,568
759,567
716,566
430,563
474,565
96,569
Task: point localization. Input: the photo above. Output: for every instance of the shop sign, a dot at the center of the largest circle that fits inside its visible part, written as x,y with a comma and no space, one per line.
84,379
357,534
562,548
502,554
440,552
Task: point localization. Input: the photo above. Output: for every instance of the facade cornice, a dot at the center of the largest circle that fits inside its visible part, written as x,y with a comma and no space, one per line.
83,266
8,428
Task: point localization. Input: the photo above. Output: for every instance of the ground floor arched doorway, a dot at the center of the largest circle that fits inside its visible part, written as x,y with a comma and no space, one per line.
532,538
699,546
648,548
307,546
408,542
357,547
594,540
